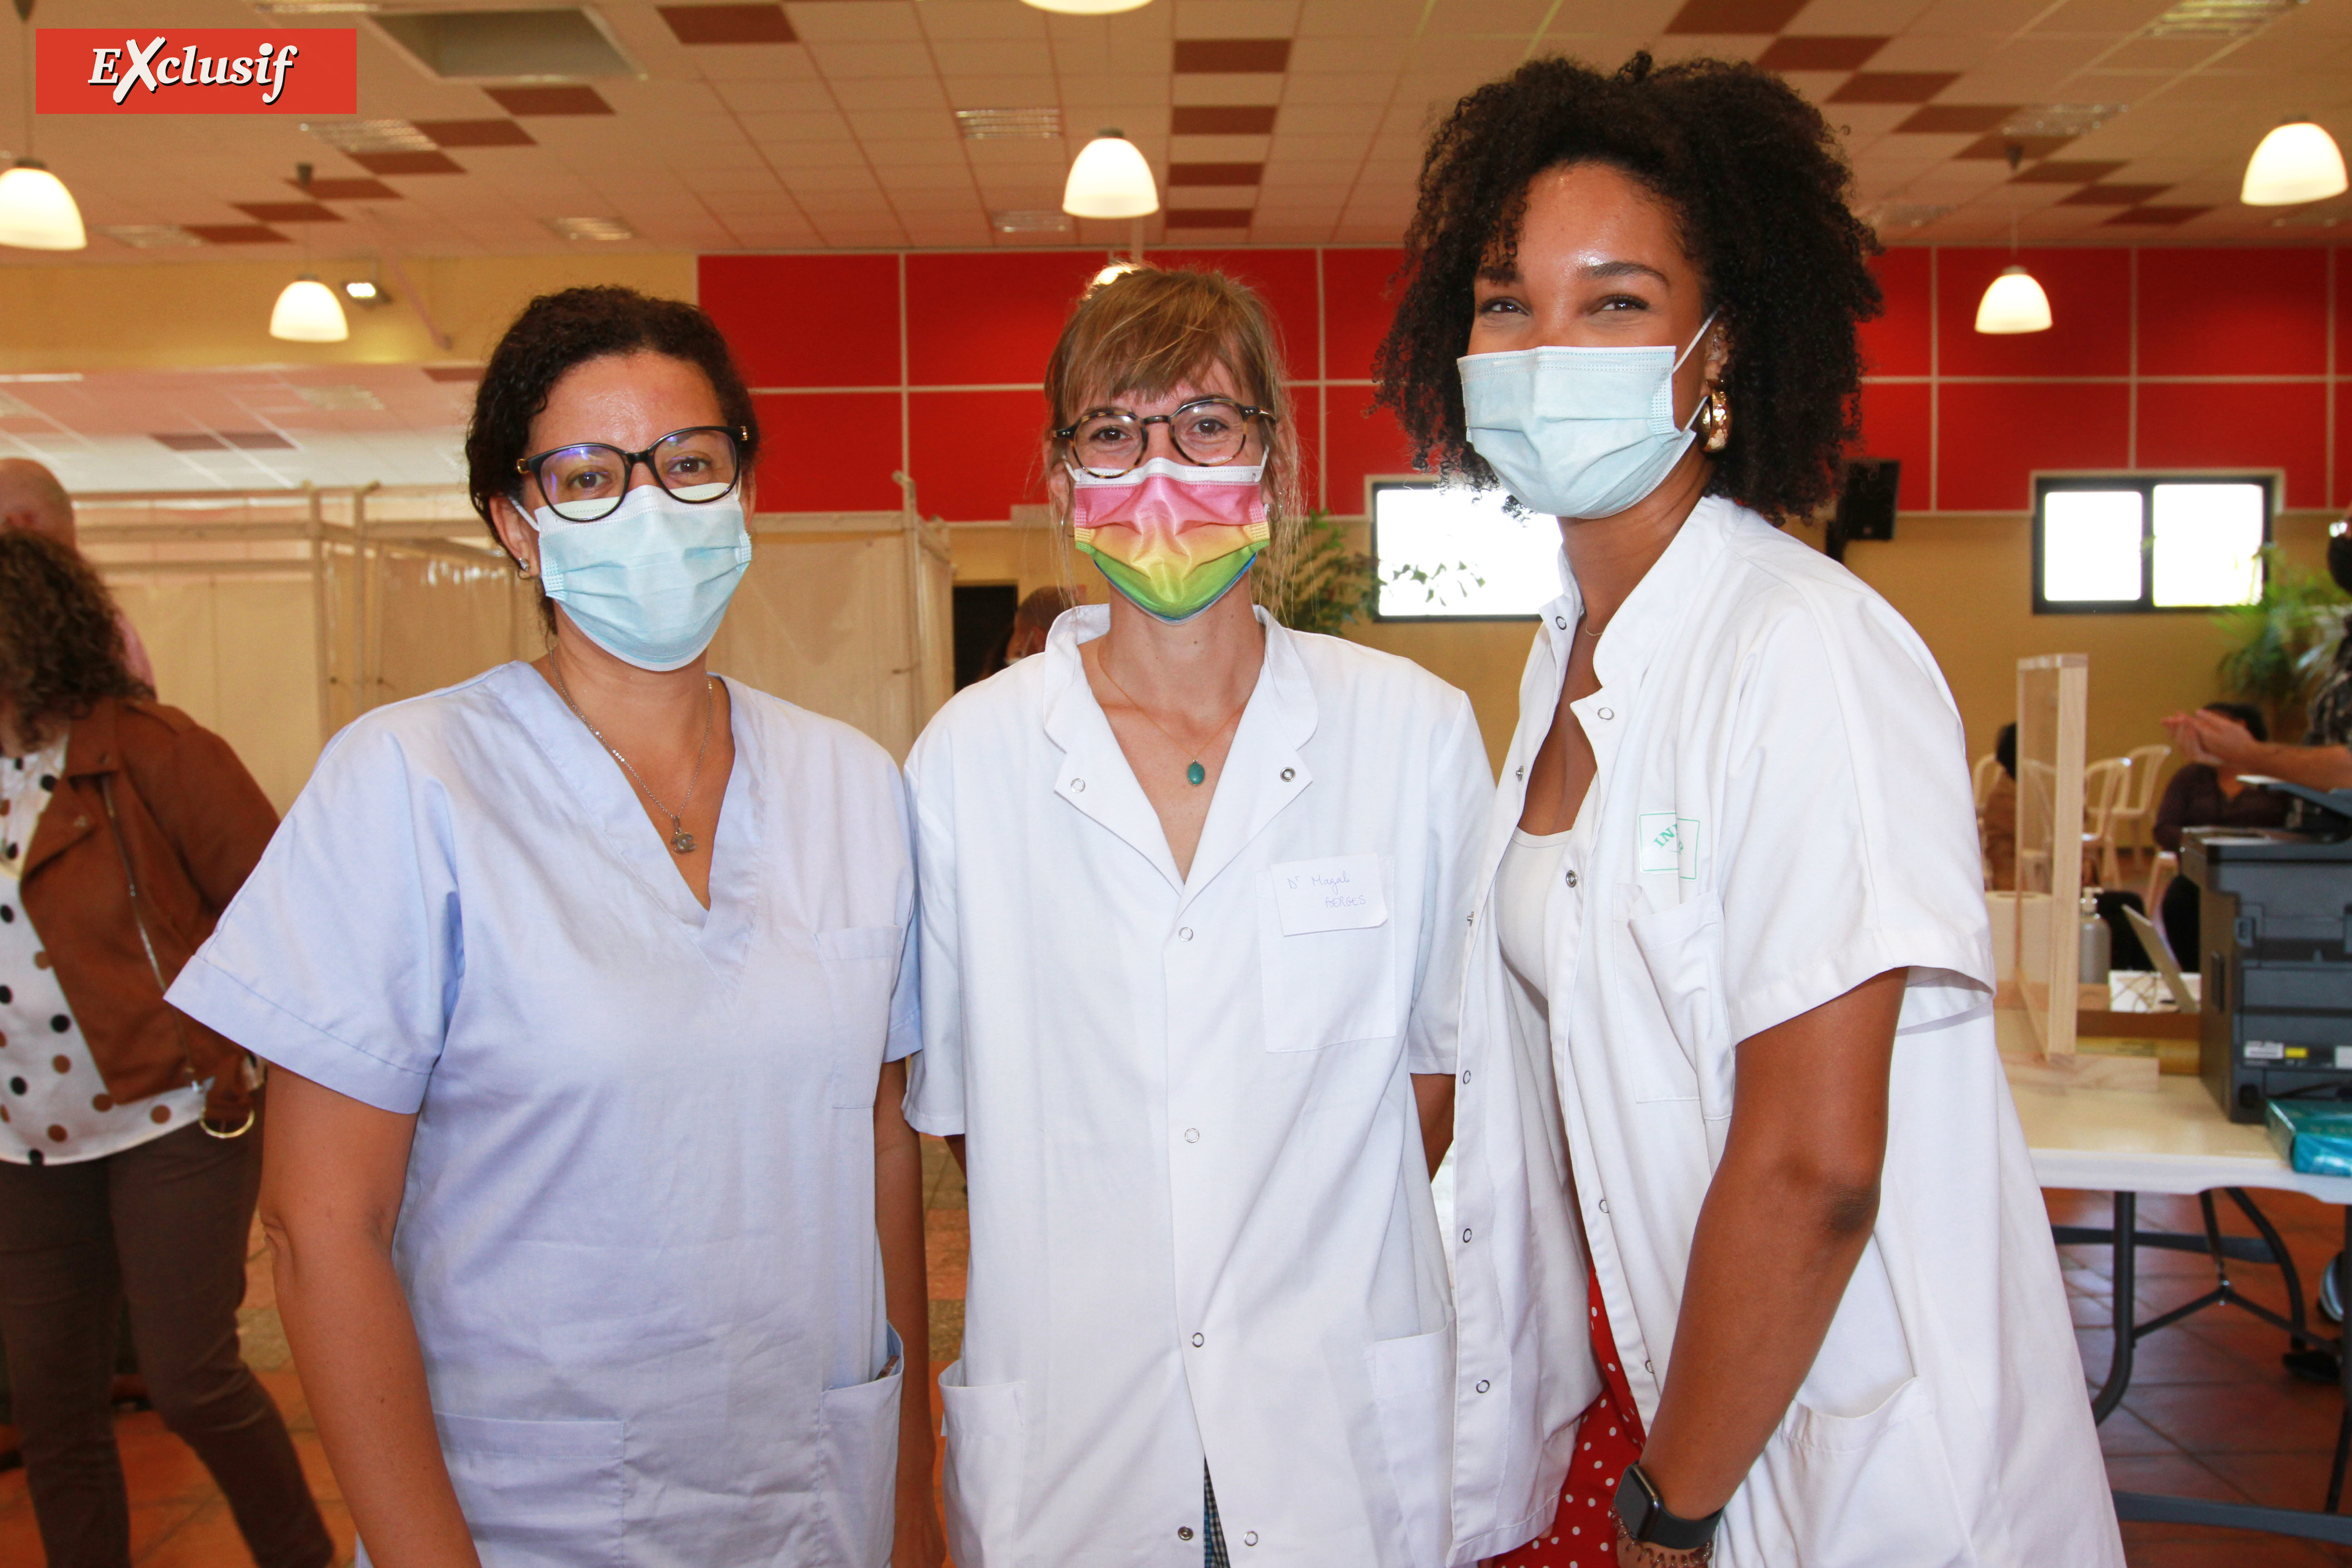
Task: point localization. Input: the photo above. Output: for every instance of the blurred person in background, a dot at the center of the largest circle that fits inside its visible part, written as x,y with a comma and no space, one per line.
1034,620
1997,823
31,497
2324,760
128,1165
2202,794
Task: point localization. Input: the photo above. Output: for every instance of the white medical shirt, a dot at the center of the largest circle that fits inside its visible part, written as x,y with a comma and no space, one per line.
638,1233
1200,1213
1782,811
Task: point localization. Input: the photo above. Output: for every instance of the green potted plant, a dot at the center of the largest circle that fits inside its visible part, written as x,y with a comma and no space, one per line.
2282,642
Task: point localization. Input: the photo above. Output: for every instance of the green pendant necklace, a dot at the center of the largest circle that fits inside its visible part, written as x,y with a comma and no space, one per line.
1195,774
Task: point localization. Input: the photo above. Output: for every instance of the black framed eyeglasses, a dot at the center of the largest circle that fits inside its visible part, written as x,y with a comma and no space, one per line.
1208,432
587,482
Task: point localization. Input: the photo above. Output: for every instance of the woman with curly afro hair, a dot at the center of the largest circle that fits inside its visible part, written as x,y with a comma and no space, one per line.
1751,1264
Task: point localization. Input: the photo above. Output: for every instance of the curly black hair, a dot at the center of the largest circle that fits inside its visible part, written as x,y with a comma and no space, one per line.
558,333
1757,187
61,645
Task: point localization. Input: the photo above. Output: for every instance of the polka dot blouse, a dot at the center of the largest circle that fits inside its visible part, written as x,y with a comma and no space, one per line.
54,1108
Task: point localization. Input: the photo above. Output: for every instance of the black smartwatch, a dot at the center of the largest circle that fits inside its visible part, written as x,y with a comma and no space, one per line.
1645,1519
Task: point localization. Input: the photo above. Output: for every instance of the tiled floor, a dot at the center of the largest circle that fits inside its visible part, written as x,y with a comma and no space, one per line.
2210,1413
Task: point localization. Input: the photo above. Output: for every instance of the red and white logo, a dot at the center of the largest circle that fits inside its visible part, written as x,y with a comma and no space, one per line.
196,70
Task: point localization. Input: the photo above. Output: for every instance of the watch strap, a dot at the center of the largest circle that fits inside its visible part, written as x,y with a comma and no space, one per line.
1650,1521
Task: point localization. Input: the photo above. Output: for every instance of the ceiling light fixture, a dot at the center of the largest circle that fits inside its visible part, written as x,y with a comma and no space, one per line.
307,310
37,211
2013,302
364,290
606,229
1009,124
1110,179
2060,118
2296,162
1029,220
1089,7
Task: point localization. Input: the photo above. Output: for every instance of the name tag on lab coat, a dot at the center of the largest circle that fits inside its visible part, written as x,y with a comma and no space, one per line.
1340,893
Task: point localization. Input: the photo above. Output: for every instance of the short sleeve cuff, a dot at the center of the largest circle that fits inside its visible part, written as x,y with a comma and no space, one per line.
1963,955
223,1003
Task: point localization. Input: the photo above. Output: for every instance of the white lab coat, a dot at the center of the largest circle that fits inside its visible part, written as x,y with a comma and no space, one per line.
1201,1212
1782,811
638,1234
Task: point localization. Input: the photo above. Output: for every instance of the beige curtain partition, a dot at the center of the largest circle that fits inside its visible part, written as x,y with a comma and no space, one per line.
275,618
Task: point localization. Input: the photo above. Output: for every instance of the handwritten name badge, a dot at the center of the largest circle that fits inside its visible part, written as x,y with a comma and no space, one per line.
1340,893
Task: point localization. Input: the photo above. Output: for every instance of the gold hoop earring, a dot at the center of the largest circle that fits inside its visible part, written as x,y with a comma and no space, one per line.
1718,420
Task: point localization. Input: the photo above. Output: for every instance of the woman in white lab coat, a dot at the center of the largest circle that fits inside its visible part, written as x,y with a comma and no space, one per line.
589,986
1740,1195
1194,894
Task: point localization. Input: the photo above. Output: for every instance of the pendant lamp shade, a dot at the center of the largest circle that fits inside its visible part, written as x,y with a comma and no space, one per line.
1090,7
2013,304
37,211
1110,179
309,312
2298,162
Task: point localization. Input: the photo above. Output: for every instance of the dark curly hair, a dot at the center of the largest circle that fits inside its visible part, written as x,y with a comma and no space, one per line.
558,333
61,644
1758,187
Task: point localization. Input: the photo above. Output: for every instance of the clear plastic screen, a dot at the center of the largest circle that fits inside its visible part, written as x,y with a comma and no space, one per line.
2052,700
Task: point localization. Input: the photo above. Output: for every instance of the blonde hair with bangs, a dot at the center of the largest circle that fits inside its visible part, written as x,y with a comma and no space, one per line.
1148,331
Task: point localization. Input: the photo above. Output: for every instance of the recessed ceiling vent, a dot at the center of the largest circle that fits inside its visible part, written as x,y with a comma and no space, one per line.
567,45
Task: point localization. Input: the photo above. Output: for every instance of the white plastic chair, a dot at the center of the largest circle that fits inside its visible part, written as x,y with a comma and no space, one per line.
2135,809
2103,784
2160,872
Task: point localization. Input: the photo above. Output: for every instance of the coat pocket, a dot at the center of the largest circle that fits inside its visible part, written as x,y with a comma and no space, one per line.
1681,946
987,1440
1860,1491
861,971
536,1494
1412,1391
860,1426
1329,986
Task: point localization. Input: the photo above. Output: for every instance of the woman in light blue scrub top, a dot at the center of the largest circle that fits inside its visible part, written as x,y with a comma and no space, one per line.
588,989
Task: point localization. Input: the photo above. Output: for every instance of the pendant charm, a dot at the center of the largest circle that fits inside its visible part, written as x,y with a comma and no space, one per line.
1195,774
683,843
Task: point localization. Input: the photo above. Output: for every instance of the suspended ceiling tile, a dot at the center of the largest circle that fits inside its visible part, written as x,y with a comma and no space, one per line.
1894,87
549,101
350,189
2113,195
857,21
788,62
729,24
475,133
1192,90
2157,217
1235,19
1765,17
1807,52
287,211
1359,18
407,162
993,57
1228,57
980,19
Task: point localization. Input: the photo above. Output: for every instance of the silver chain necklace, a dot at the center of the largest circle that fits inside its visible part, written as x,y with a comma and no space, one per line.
680,840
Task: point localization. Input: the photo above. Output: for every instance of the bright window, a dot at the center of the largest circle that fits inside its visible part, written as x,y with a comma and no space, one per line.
1451,553
2147,544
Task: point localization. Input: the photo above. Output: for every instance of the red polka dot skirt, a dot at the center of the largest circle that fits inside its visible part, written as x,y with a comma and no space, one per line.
1607,1439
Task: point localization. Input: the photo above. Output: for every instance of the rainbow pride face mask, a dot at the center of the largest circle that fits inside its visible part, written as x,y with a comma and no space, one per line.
1173,536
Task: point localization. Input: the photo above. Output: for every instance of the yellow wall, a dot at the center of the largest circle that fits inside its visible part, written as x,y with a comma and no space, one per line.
1964,581
174,316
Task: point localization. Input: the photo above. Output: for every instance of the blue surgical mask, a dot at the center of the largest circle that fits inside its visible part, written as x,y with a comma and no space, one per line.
1578,432
650,583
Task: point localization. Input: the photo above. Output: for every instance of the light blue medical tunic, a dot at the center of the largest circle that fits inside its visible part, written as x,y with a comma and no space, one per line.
638,1233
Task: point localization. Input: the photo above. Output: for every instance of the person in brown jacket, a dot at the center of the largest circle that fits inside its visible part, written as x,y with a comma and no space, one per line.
128,1163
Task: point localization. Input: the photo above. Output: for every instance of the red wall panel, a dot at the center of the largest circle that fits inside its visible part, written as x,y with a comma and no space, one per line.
2343,496
2239,425
1896,342
1284,280
828,451
1361,440
1896,424
2090,312
984,318
2232,312
1307,421
806,320
1997,436
1357,308
975,454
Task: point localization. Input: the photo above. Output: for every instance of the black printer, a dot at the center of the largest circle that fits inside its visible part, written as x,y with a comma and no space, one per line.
2275,919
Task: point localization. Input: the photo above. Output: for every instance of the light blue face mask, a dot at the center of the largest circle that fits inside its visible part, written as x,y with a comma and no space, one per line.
650,583
1578,432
